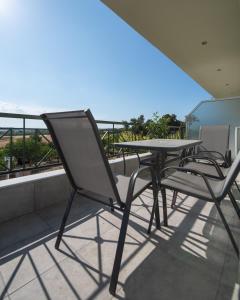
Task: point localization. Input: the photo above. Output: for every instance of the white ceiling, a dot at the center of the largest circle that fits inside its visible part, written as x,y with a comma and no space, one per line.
178,28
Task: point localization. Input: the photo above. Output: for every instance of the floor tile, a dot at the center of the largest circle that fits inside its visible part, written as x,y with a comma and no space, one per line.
190,259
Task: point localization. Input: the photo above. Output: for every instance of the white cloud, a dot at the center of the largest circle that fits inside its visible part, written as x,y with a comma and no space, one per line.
14,108
11,107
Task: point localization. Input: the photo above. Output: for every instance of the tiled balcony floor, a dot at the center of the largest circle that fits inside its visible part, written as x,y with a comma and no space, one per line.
191,259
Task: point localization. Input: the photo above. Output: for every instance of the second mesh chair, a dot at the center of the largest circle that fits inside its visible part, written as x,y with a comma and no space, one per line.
213,150
192,182
215,143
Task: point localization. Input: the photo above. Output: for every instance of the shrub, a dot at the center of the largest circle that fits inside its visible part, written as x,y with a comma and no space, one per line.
35,150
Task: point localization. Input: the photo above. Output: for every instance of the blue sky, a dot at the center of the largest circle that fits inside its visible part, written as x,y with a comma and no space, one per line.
74,54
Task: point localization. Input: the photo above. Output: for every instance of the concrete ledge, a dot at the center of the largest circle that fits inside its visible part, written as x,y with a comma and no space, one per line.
19,196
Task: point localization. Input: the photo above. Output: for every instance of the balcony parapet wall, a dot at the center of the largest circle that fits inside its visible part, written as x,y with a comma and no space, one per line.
23,195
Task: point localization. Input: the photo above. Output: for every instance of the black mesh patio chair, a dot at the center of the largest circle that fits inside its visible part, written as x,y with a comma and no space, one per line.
77,140
215,143
192,182
212,170
213,149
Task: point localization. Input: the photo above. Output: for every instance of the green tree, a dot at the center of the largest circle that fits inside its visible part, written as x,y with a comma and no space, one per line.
138,126
158,127
171,120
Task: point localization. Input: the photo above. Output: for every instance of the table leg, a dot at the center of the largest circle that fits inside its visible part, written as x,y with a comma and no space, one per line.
164,200
160,164
156,170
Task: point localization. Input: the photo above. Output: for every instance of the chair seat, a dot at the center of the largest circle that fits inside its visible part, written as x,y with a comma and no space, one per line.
193,185
207,169
122,183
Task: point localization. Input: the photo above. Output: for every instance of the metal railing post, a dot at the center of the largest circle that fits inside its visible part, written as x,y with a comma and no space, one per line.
11,149
113,139
108,143
24,143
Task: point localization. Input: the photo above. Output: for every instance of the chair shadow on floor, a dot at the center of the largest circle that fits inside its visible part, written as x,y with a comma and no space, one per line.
189,264
15,254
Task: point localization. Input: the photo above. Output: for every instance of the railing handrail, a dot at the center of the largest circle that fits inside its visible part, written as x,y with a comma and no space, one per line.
19,116
21,128
37,117
24,162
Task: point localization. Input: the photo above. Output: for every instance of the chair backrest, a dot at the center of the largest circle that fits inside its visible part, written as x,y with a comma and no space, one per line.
77,140
232,174
214,138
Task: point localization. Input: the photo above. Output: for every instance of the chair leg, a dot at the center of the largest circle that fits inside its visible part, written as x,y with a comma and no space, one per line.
234,203
152,217
155,210
119,251
111,204
174,199
237,185
157,215
164,200
64,219
227,229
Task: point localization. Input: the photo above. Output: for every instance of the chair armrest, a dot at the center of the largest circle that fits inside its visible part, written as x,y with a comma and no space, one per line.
216,152
194,171
124,160
211,160
133,179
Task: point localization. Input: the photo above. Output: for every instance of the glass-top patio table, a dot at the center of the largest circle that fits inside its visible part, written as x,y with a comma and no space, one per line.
160,148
